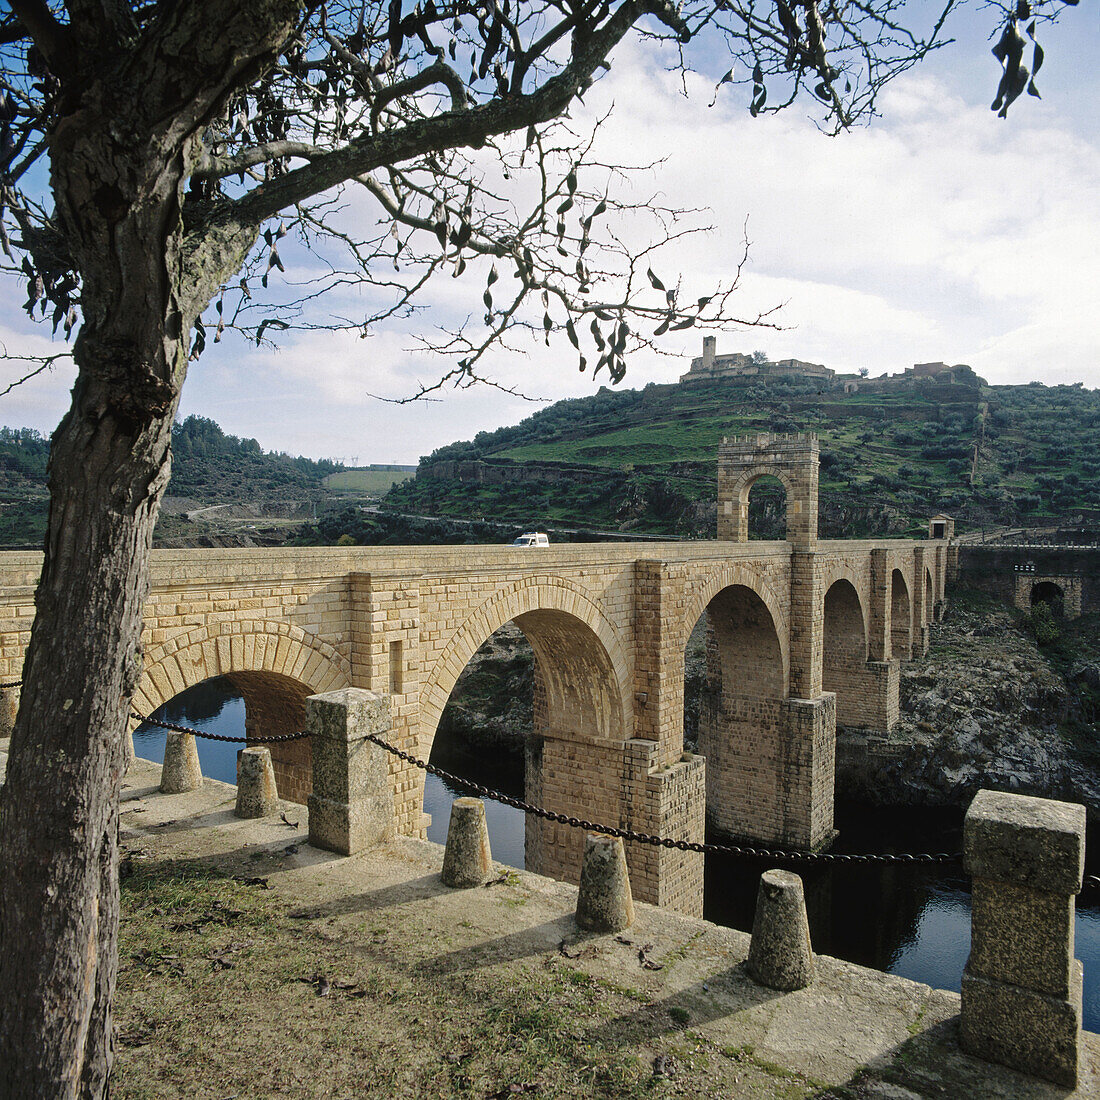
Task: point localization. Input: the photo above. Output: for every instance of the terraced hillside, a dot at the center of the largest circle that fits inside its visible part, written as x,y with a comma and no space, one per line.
644,460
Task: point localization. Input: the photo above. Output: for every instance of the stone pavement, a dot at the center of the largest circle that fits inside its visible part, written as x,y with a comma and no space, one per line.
885,1037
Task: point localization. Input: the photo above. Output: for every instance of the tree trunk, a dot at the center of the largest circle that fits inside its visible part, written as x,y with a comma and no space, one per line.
59,806
121,150
109,465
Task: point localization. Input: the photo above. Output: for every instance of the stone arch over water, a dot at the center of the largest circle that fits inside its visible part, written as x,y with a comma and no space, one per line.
740,721
274,666
574,753
844,648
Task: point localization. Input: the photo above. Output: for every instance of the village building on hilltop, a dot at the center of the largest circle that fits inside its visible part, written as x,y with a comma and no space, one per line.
712,367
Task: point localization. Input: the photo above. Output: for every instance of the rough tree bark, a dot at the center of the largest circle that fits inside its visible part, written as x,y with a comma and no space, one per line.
119,159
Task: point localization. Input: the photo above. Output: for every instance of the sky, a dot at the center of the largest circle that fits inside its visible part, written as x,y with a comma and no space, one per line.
937,233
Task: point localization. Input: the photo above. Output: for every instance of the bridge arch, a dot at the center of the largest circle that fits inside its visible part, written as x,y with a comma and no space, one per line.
929,596
555,615
574,754
901,617
1050,593
274,666
740,719
844,649
735,574
248,646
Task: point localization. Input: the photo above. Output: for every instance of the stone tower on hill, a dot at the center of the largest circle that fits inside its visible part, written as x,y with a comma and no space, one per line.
712,367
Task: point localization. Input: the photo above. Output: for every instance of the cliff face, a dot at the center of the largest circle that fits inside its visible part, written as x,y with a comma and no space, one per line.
987,707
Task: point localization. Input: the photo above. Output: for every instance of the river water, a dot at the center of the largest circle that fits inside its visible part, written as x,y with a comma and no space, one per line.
908,920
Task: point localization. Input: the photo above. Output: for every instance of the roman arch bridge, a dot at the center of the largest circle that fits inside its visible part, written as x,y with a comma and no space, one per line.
802,633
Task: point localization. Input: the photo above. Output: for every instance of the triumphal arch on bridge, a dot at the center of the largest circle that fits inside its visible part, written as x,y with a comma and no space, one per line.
802,634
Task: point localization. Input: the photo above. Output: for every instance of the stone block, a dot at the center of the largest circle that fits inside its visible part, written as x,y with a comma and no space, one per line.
1022,936
1024,1029
1035,842
604,903
181,771
467,859
352,804
349,828
257,795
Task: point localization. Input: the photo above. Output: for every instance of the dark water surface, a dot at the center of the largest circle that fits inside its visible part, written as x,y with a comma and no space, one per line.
908,920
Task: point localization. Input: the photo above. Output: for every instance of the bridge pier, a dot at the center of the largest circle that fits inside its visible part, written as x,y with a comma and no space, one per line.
769,769
868,694
626,786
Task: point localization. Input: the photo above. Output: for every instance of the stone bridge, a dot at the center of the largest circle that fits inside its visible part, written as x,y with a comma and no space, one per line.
801,634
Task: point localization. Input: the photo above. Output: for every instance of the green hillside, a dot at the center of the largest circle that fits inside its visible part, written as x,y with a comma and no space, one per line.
365,482
644,460
207,466
219,469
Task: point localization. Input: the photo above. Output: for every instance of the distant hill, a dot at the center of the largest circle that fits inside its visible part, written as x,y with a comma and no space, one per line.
208,466
892,455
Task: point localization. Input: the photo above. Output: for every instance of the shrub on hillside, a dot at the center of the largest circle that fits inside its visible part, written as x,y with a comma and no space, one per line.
1042,623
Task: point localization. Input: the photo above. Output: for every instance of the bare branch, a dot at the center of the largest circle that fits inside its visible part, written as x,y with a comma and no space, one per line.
45,363
51,37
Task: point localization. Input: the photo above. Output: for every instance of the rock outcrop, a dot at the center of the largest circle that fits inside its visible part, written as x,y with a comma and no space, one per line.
986,708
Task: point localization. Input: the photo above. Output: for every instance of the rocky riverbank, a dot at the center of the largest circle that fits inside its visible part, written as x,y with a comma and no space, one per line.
987,707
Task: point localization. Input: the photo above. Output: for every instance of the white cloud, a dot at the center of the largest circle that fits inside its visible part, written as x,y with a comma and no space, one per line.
940,232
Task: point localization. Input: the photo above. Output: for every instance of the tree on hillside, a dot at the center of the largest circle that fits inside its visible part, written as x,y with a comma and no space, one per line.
184,140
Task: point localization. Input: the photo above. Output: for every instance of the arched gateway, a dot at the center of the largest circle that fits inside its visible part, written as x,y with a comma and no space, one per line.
801,631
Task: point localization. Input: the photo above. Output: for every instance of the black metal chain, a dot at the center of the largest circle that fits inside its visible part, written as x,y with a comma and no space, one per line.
1090,882
649,838
274,739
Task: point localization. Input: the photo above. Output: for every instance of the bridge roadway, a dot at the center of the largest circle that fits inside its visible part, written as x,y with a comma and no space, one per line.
798,637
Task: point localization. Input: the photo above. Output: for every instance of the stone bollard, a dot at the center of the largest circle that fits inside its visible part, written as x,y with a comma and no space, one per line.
181,771
780,955
467,860
604,903
351,807
256,792
1021,989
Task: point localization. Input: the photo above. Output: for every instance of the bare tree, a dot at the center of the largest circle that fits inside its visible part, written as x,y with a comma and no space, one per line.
185,140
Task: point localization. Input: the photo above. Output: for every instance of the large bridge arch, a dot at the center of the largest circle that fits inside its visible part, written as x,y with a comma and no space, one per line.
901,616
741,726
844,649
575,752
274,666
552,611
729,575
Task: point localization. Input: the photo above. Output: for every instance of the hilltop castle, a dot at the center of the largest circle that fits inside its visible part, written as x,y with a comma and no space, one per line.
711,367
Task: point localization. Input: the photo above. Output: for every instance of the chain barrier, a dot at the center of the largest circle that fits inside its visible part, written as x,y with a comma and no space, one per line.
272,740
649,838
1090,882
